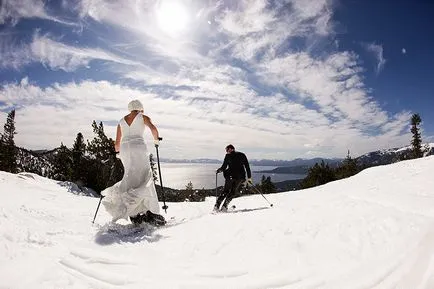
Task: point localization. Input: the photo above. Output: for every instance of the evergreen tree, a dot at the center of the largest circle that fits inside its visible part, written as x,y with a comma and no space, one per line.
62,164
189,187
267,186
416,142
8,150
348,168
427,149
104,168
318,175
78,168
101,147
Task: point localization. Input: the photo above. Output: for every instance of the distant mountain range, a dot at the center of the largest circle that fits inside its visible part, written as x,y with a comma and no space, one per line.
376,158
192,161
40,161
255,162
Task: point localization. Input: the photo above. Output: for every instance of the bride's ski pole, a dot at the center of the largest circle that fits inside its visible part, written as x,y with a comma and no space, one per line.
161,180
97,208
100,198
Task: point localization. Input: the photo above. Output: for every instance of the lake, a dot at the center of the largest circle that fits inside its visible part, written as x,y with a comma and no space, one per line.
177,175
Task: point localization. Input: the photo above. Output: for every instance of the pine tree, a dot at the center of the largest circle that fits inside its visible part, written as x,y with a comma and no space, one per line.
348,167
78,168
318,175
416,142
8,150
101,147
189,187
267,186
62,164
104,168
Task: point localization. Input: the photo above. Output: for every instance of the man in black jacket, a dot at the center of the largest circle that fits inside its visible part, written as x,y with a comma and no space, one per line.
234,170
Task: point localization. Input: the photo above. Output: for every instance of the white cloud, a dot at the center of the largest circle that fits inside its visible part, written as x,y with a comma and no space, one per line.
257,28
404,51
13,54
249,17
60,56
53,54
14,10
193,125
377,50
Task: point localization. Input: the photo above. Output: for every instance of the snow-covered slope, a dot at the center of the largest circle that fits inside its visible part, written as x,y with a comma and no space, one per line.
374,230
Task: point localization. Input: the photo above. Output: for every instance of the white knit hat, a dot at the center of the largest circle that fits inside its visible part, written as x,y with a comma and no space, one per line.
135,105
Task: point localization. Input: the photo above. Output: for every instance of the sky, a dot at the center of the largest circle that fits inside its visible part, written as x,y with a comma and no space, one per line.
277,79
372,230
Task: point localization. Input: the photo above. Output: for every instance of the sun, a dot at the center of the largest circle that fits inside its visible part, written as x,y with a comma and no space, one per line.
172,16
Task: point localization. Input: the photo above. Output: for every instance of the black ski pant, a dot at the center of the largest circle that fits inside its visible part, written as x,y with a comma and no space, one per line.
231,187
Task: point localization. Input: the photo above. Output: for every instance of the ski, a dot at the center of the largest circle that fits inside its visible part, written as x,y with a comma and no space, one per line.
230,209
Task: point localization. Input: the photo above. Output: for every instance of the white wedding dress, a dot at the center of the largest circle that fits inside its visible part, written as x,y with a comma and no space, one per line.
135,193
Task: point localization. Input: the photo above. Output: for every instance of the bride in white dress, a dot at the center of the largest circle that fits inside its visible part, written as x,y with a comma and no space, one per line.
135,195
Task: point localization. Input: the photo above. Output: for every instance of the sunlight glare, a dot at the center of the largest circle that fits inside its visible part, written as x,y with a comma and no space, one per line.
172,16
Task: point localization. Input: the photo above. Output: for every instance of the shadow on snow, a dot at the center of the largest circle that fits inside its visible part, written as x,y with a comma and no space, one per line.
112,233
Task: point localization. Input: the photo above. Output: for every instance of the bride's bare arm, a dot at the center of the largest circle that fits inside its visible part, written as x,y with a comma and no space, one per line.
118,138
149,123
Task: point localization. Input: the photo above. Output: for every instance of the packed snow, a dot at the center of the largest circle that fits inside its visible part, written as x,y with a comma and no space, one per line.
373,230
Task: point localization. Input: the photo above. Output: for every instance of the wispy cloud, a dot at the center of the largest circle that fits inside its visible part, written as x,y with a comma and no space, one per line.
259,30
14,10
377,51
53,54
59,56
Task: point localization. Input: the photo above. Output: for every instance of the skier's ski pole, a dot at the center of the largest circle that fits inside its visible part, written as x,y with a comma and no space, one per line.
97,208
161,180
216,184
258,191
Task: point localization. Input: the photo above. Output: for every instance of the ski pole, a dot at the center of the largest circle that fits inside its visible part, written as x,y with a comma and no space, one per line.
97,208
258,191
216,184
161,180
100,198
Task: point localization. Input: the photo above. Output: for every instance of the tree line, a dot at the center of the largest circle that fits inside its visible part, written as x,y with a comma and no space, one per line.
89,164
93,163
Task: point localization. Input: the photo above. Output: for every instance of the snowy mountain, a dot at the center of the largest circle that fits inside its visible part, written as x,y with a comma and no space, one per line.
388,156
373,230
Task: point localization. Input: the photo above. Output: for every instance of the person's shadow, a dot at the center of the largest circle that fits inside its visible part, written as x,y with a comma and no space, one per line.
116,233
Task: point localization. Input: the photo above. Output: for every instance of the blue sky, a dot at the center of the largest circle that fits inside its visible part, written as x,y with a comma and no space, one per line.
278,79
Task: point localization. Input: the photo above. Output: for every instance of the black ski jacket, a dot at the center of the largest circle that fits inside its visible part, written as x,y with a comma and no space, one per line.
235,166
